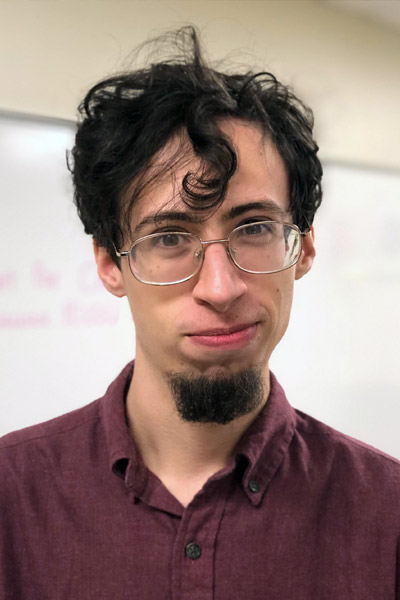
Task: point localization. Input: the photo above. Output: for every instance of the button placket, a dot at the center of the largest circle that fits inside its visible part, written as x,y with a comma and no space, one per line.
194,551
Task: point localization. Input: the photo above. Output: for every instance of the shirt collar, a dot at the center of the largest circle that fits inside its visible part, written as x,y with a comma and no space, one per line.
264,445
118,436
257,456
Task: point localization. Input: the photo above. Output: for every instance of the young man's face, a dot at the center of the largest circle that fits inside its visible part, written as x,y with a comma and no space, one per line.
223,320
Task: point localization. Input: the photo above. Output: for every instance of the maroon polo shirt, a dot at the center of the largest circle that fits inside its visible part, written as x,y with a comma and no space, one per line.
301,512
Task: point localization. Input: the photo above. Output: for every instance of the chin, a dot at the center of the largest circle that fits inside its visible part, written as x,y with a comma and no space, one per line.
219,367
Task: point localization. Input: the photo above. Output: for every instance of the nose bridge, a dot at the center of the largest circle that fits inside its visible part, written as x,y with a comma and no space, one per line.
219,283
224,241
219,241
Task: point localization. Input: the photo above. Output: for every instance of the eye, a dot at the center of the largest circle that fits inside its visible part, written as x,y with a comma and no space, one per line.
257,228
171,243
168,240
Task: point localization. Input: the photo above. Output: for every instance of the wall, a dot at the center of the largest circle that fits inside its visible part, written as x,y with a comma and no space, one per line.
346,67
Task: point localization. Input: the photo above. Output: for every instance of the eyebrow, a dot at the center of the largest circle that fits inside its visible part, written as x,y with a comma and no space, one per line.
192,217
268,205
169,215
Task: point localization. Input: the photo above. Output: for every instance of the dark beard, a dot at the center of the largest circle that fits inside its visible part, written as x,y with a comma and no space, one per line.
217,399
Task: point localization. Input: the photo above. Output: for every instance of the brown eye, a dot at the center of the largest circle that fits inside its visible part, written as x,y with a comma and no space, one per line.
168,240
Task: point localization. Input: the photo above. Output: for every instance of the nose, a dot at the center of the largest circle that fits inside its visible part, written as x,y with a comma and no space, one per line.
219,282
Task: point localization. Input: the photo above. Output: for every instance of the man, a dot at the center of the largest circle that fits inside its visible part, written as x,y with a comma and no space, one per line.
193,477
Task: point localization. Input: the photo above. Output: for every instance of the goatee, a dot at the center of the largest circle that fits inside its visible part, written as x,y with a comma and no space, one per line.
220,398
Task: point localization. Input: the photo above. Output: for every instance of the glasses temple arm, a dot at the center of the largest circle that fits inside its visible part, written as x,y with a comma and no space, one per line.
120,253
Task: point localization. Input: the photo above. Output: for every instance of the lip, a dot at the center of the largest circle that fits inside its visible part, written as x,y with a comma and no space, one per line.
232,337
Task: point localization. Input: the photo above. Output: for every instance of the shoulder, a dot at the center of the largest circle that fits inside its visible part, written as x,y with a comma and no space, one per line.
50,441
338,453
78,440
54,427
46,462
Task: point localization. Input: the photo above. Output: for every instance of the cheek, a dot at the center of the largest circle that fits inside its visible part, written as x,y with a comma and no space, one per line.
154,309
285,297
282,292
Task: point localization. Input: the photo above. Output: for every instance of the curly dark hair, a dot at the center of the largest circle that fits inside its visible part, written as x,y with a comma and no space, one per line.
127,119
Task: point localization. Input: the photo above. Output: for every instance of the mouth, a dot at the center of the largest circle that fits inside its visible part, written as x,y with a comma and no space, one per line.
232,337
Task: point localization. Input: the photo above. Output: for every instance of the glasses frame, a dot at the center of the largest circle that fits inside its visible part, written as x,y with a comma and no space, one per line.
204,243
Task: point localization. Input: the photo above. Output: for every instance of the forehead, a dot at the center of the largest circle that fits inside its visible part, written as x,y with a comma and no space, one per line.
260,180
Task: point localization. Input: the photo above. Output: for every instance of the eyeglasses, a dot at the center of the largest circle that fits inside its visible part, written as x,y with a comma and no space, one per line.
170,257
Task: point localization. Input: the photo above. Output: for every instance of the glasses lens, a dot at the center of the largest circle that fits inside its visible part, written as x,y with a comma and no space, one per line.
164,258
265,247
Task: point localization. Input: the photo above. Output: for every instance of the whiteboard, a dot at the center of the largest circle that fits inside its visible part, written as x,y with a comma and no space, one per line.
63,338
339,360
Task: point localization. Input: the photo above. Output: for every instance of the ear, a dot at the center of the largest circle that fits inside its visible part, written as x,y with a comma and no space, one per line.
108,271
306,259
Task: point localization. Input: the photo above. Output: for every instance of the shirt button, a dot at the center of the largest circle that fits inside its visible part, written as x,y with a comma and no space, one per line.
193,550
254,486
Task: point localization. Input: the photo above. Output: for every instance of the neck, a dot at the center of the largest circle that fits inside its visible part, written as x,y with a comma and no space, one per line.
183,455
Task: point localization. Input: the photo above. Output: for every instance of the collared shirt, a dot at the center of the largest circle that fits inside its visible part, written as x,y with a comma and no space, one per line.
301,512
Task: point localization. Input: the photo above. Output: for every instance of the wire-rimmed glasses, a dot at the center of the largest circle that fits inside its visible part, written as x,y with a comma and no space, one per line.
170,257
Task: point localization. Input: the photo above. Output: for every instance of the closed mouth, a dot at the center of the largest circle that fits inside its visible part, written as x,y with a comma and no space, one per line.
226,338
222,331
